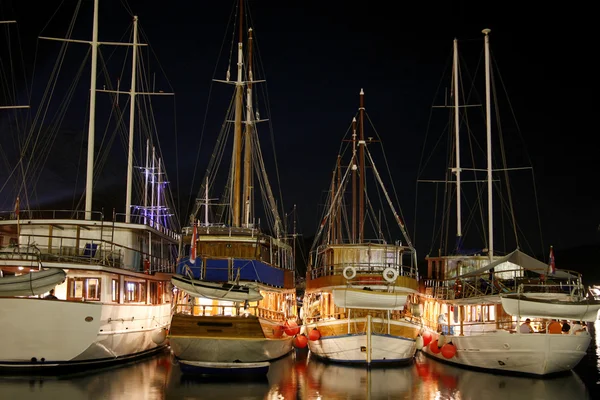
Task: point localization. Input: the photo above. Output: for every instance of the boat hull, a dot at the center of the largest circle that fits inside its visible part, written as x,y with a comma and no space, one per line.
530,354
58,333
522,305
226,339
229,350
335,346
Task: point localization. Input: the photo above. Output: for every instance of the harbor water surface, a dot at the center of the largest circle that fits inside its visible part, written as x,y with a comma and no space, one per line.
298,376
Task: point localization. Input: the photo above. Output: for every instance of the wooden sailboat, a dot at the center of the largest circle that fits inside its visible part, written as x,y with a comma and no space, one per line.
236,292
114,303
464,296
358,288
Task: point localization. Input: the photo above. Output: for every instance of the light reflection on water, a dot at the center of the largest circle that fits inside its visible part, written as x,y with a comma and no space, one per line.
299,377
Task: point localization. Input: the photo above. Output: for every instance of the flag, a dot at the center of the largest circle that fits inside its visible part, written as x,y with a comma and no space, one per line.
17,207
193,247
551,264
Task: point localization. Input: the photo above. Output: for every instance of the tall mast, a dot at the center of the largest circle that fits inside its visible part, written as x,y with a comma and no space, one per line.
339,213
361,171
248,138
488,113
131,121
91,126
353,180
237,139
334,210
457,141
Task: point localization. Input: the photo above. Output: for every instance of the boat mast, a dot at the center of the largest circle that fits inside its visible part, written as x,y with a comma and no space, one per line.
488,113
339,213
131,121
361,170
237,138
248,138
89,185
353,180
456,170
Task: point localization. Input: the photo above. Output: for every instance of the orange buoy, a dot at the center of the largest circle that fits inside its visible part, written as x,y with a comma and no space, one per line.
427,337
278,331
433,347
291,328
448,350
300,341
314,334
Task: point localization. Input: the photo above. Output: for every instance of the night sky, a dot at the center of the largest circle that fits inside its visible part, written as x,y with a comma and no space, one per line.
316,58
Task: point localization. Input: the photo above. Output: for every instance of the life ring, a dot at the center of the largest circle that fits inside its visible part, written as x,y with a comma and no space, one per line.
390,274
349,272
457,288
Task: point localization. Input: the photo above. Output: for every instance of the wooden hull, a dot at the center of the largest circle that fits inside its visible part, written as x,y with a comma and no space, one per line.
522,305
223,339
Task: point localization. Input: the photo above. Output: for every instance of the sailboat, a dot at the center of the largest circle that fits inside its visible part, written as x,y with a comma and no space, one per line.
109,274
358,288
466,313
236,298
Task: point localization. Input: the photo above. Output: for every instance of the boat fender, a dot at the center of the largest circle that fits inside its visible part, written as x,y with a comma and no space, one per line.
300,341
349,272
159,336
448,350
390,274
419,342
441,340
427,338
314,334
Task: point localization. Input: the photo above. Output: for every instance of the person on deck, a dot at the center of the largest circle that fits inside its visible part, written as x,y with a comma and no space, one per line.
526,327
51,295
565,327
554,327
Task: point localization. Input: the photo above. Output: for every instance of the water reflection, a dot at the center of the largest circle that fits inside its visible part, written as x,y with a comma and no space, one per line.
297,376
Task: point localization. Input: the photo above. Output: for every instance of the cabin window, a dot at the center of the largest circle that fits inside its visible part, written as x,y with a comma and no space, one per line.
135,292
115,290
157,290
83,289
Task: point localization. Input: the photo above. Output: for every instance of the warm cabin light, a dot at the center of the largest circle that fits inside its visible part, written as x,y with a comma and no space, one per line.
20,268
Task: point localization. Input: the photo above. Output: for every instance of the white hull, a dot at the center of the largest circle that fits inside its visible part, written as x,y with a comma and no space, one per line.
61,333
368,299
347,349
534,354
580,311
352,348
32,283
228,350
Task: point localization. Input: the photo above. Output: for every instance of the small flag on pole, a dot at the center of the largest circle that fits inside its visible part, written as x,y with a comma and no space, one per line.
17,205
193,247
551,264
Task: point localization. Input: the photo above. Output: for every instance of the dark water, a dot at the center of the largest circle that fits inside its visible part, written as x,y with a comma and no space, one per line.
300,377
